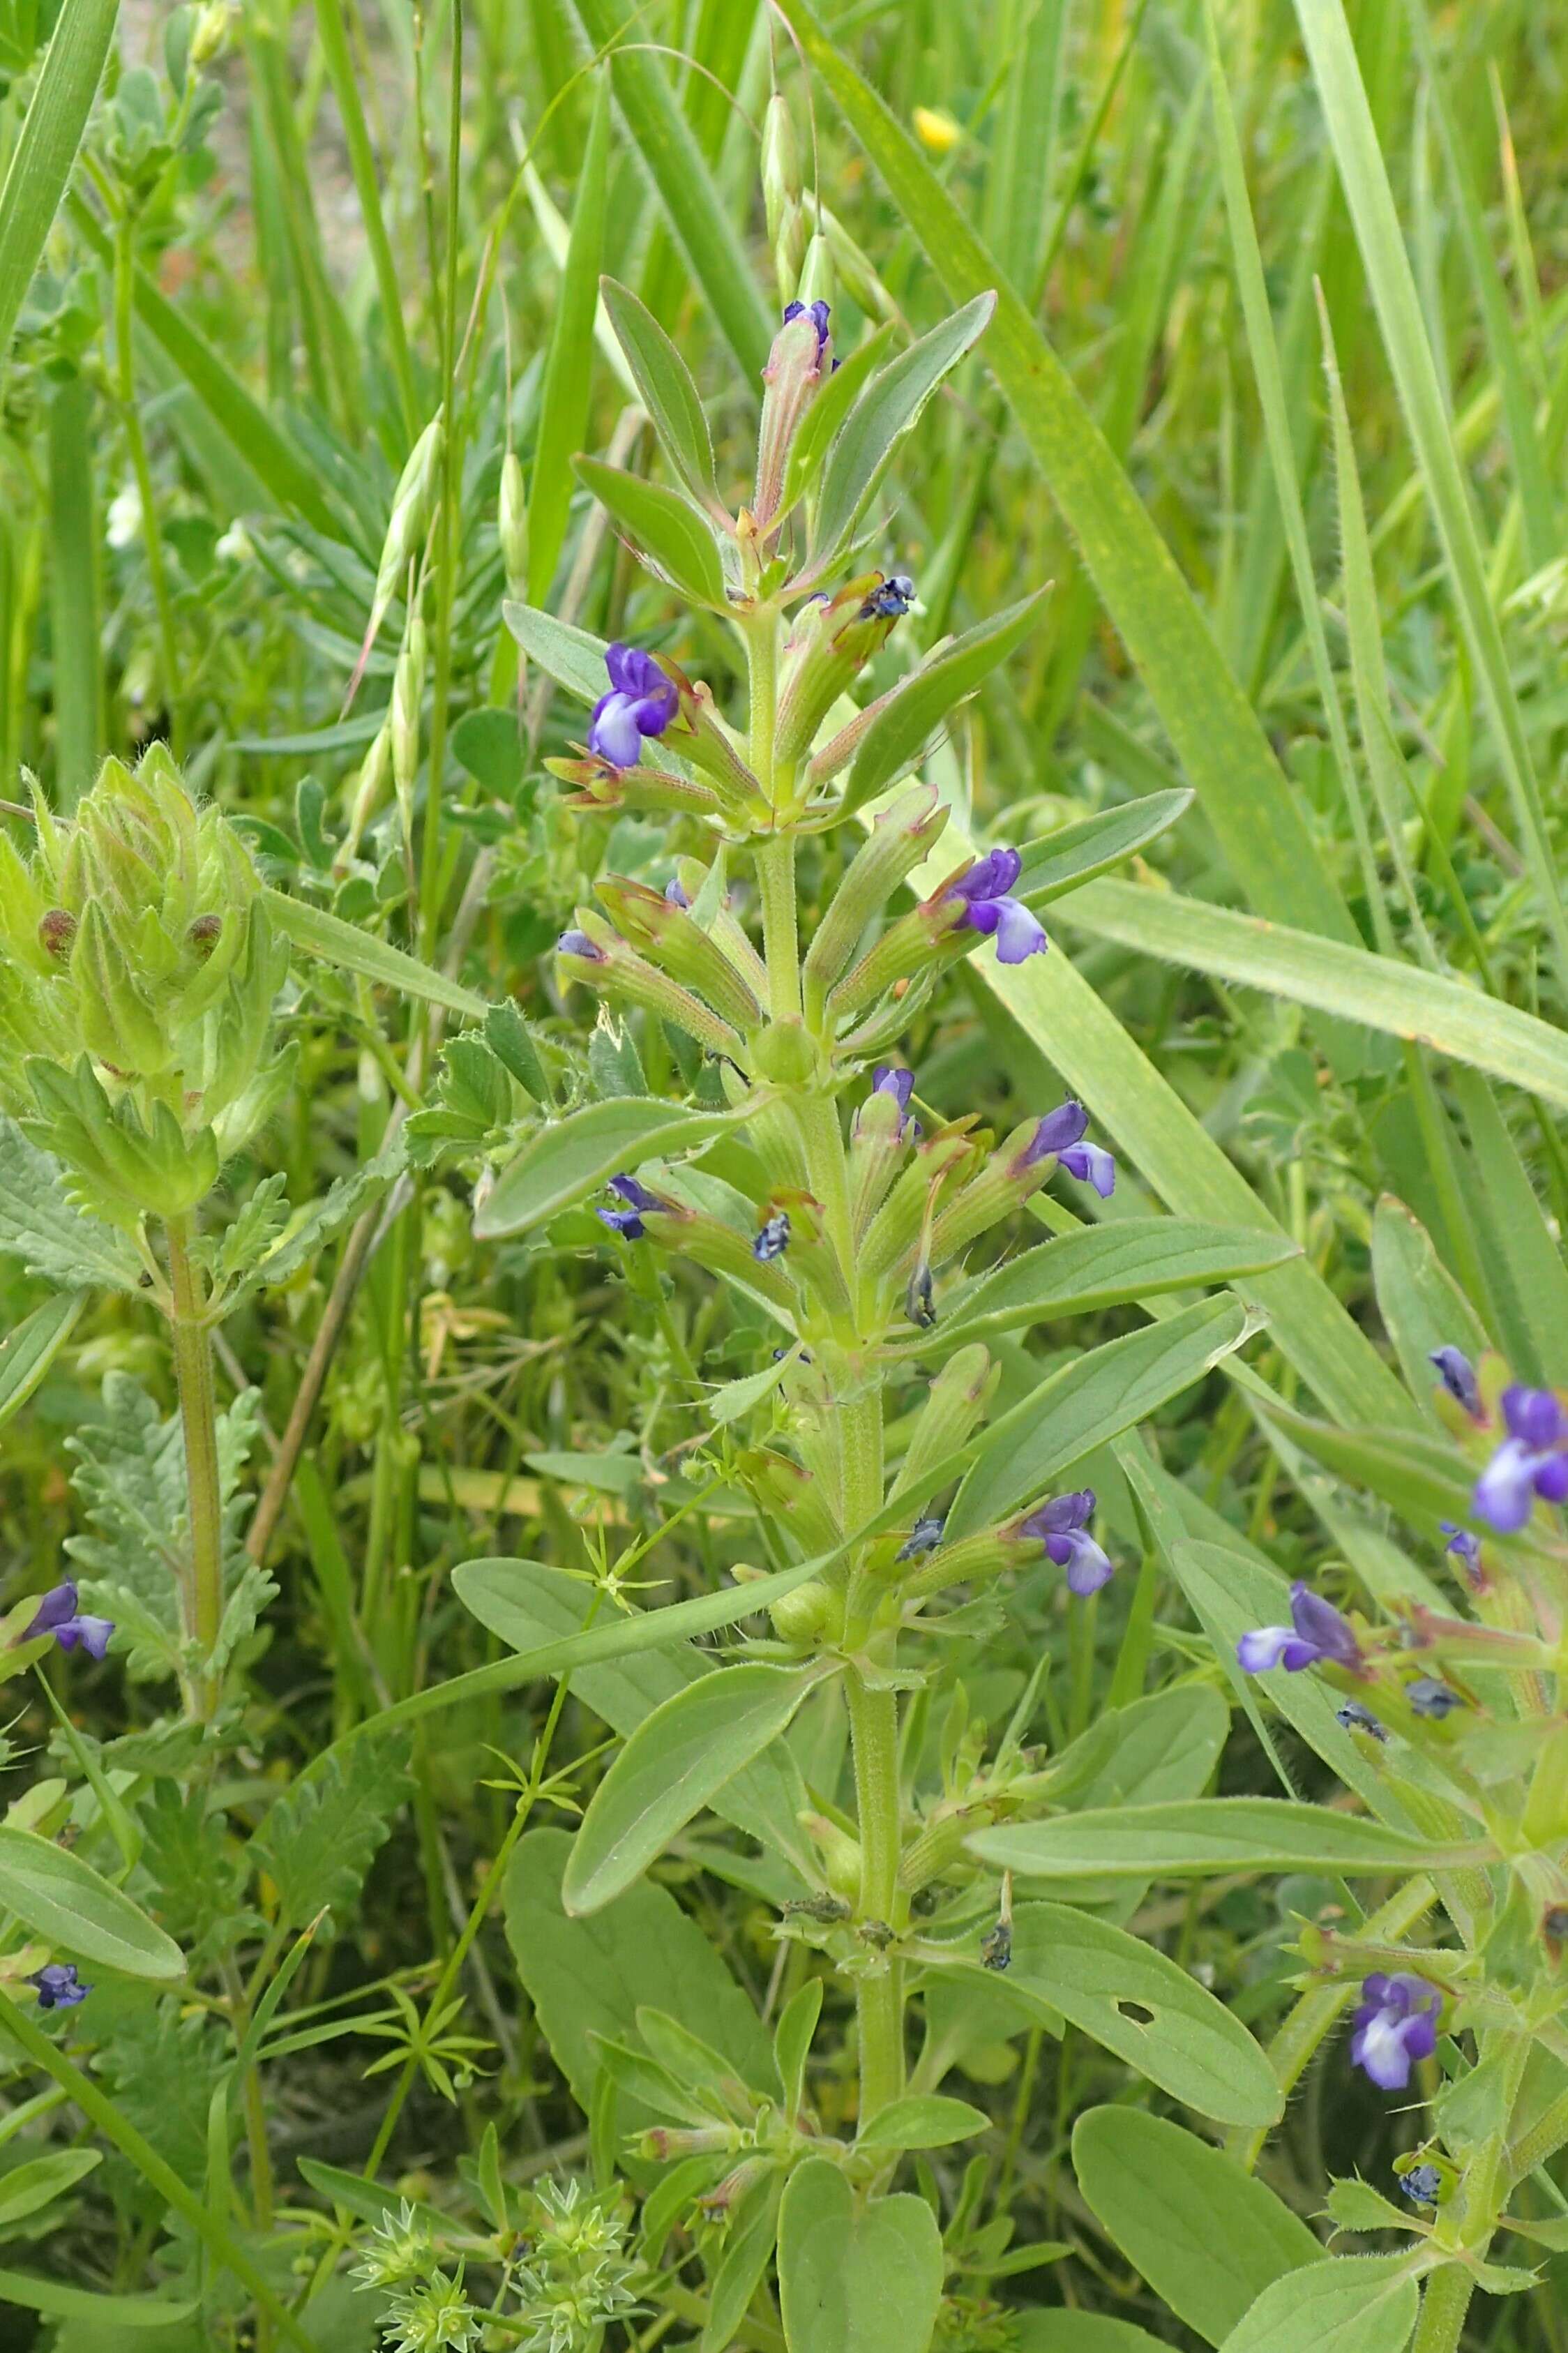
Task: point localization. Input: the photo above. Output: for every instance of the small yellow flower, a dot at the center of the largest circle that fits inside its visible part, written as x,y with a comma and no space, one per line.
936,130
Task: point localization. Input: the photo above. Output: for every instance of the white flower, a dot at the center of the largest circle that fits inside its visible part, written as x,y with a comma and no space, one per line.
235,545
124,517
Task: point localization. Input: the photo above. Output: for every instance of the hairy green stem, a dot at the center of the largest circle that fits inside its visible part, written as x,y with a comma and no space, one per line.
203,1597
1444,2301
874,1732
775,887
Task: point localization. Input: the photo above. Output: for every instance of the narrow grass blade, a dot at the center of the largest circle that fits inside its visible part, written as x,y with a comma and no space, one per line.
1365,181
1350,982
41,161
564,411
78,691
678,170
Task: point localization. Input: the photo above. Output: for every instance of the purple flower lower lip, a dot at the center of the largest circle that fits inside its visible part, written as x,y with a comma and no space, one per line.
1396,2025
1532,1461
641,701
1317,1631
773,1238
57,1614
1061,1132
989,908
57,1986
628,1222
1062,1527
819,312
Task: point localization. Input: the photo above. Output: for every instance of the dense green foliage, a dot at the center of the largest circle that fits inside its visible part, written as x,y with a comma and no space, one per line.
601,1823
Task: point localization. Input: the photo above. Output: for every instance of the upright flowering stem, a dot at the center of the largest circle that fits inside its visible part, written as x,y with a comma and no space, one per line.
775,888
203,1597
874,1735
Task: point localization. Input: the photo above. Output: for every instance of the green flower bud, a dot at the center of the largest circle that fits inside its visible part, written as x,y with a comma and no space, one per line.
137,978
955,1405
678,945
597,955
407,693
798,365
511,527
899,839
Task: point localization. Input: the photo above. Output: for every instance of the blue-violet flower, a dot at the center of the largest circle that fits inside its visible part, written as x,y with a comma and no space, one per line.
59,1985
628,1222
1062,1527
988,908
1396,2025
641,701
773,1239
1428,1696
57,1615
1317,1631
1457,1376
820,314
1532,1461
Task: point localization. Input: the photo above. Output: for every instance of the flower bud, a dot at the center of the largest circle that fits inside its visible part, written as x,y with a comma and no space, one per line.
412,505
812,1615
829,645
591,952
679,946
511,527
376,770
407,694
899,838
938,1162
209,35
799,362
955,1405
782,195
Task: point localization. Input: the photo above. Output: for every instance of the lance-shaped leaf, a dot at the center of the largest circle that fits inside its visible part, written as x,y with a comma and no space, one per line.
676,1760
1207,2236
895,735
352,950
30,1348
1352,2304
45,149
572,1156
1089,1401
568,367
1097,1267
1076,853
885,412
664,525
1187,1841
664,383
574,657
57,1895
1145,2008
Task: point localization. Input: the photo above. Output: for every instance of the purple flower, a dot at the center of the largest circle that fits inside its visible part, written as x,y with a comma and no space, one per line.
1315,1631
57,1614
922,1538
1457,1376
890,599
988,908
674,893
578,944
1356,1718
1061,1132
1062,1527
918,1304
641,701
1428,1696
1532,1461
59,1985
1396,2025
887,1079
1423,2184
819,314
1464,1547
773,1239
628,1222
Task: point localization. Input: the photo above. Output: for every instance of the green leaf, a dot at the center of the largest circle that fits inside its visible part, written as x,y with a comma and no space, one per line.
1348,982
662,525
1062,2330
1175,1841
59,1896
564,402
352,950
912,711
748,2243
676,165
575,1155
923,2120
27,2187
311,1231
319,1838
885,410
572,656
1089,1401
98,2312
1206,2236
588,1978
46,148
39,1225
490,744
664,380
1352,2304
527,1604
856,2278
1141,2005
1062,861
1422,1306
792,2040
1425,1477
673,1766
1219,737
30,1348
1101,1266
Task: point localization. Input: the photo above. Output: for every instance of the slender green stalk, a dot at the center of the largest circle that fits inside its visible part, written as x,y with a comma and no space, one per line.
198,1418
874,1731
136,443
1444,2304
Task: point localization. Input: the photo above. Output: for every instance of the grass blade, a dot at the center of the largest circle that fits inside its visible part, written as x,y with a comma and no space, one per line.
41,162
563,412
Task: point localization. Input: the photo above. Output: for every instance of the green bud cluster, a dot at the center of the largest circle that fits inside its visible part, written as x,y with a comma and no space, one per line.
138,971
